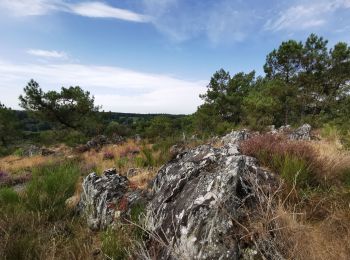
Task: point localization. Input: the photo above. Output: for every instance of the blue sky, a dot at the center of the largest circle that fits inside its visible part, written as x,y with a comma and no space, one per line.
150,56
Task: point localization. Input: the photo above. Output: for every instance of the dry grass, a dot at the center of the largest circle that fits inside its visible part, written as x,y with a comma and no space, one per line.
281,226
15,164
335,160
125,151
142,179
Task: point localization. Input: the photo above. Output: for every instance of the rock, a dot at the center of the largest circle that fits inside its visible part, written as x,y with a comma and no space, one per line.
101,197
137,139
133,172
197,195
97,142
117,139
301,133
176,149
285,129
47,152
32,150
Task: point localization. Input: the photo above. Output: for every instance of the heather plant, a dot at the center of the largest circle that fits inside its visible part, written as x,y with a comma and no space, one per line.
295,161
108,156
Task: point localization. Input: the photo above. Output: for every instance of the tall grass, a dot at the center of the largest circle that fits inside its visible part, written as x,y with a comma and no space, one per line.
36,224
50,187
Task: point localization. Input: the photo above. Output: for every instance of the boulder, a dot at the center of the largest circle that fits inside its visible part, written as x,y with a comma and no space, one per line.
97,142
301,133
101,197
32,150
47,152
197,196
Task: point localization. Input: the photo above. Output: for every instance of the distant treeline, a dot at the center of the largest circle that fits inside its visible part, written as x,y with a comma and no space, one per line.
303,82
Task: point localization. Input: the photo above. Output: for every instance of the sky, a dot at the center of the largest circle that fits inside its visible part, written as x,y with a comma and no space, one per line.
150,56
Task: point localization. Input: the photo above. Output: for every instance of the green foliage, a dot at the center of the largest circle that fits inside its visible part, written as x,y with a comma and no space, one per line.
146,159
9,126
8,196
49,188
292,169
161,127
346,178
18,152
115,244
136,214
71,108
114,128
304,82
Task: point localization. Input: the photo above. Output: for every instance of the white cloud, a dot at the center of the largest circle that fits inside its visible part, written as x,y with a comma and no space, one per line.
84,8
48,54
115,88
305,15
101,10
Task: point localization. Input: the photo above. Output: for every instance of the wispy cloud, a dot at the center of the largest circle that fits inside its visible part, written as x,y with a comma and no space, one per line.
48,54
84,8
219,21
101,10
115,88
311,14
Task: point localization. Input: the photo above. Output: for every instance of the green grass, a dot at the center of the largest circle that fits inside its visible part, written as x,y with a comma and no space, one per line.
50,186
8,197
292,169
115,243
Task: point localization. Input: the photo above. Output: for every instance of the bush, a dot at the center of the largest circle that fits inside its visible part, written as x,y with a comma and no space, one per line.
108,156
293,160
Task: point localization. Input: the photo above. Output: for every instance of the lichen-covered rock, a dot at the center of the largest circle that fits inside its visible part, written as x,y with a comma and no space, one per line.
196,197
301,133
101,196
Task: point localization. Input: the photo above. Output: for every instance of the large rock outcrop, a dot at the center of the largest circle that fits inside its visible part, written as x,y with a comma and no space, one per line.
101,197
198,195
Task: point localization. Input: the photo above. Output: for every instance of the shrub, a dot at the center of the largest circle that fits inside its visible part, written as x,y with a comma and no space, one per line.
18,152
291,159
146,159
108,156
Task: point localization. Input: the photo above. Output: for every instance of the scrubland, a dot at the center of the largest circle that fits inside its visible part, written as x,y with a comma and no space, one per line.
308,215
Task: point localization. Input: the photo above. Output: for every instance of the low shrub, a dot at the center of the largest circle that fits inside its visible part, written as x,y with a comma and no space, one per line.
293,160
108,156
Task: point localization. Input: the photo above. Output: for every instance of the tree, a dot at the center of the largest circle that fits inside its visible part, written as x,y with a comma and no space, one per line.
285,62
266,104
71,108
225,94
9,126
161,126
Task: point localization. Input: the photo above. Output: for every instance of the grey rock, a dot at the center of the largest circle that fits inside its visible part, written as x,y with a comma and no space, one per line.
101,196
97,142
47,152
133,172
32,150
301,133
197,195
